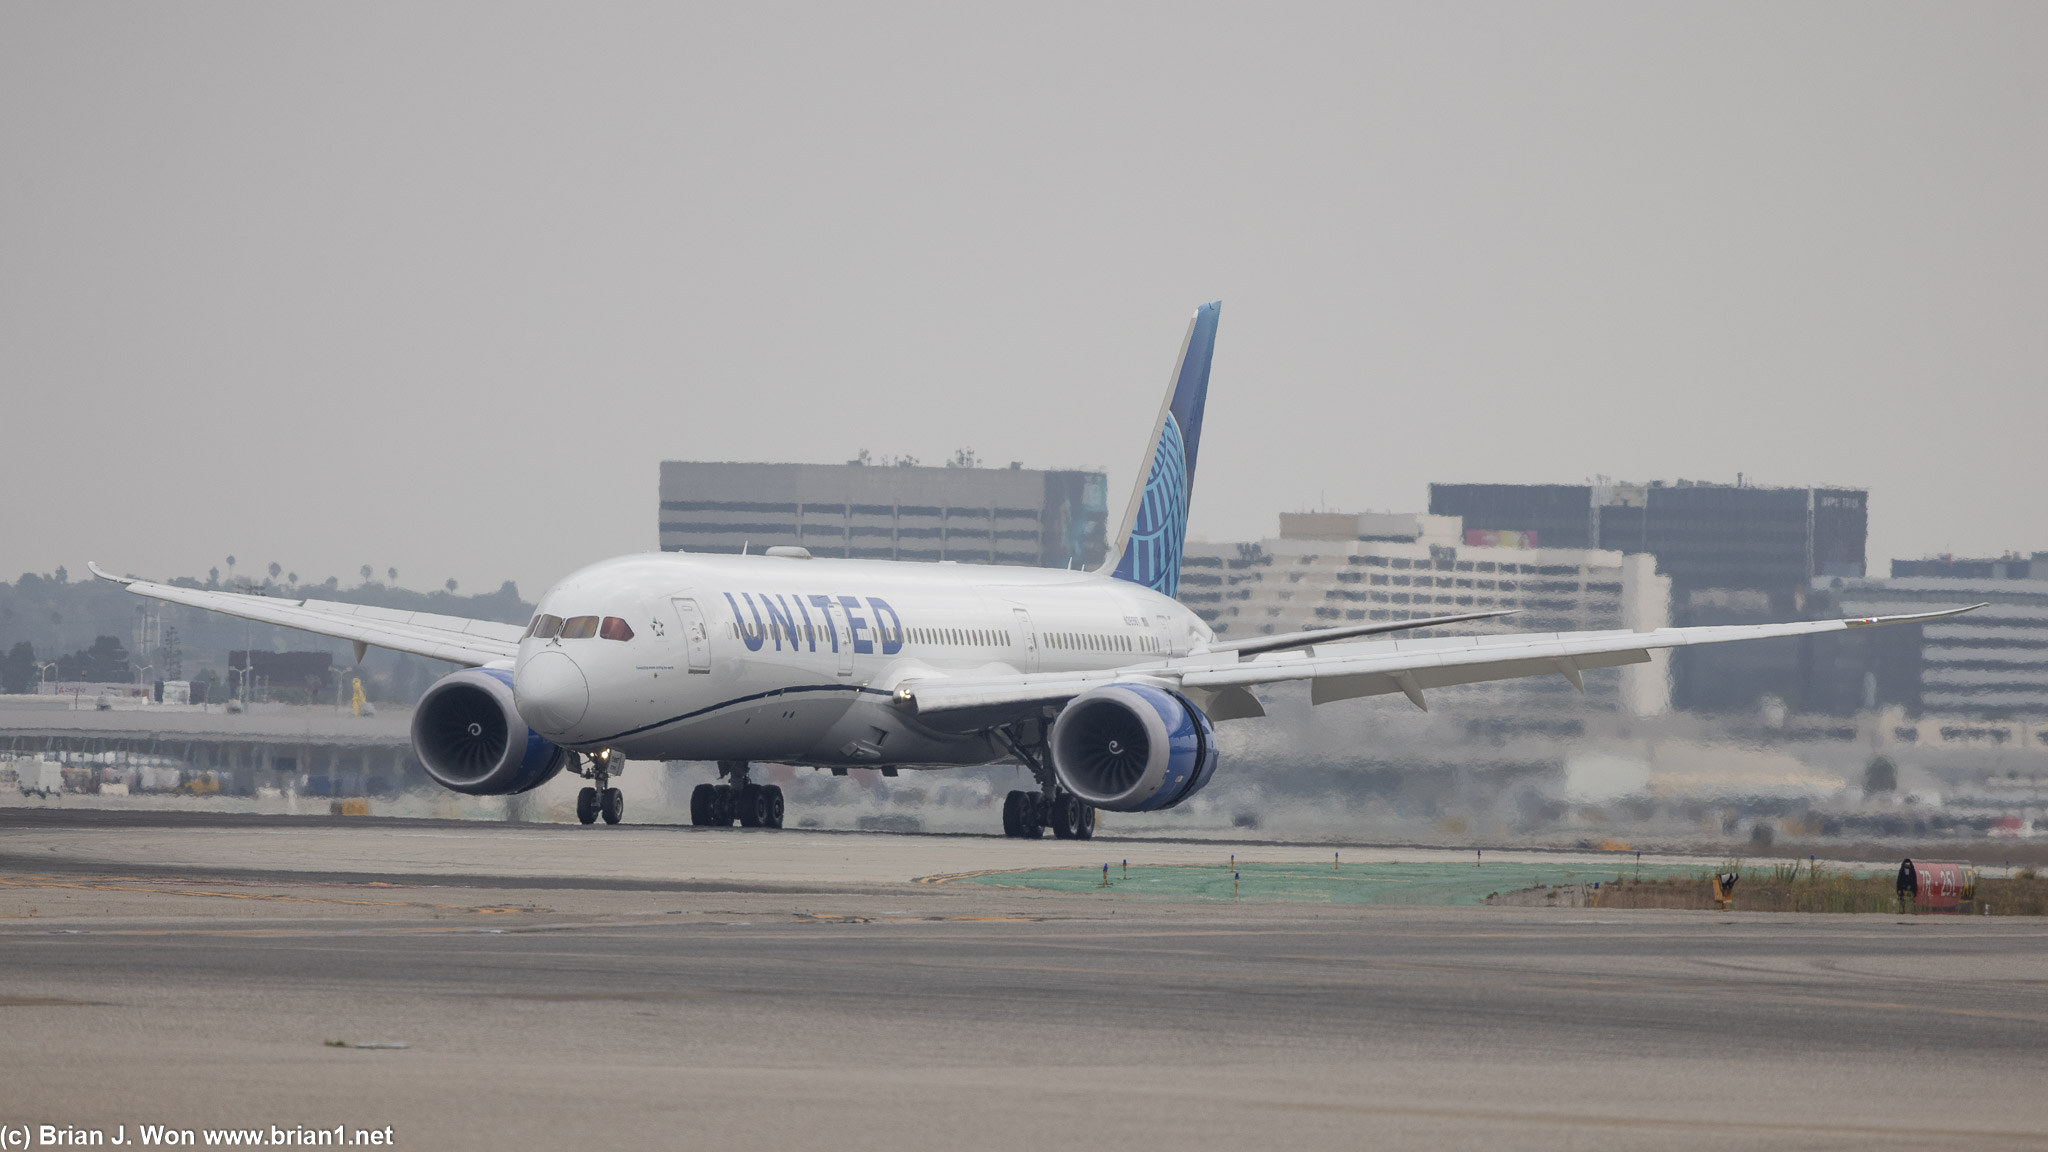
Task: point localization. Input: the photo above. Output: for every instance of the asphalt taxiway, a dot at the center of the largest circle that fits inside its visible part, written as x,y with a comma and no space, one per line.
649,987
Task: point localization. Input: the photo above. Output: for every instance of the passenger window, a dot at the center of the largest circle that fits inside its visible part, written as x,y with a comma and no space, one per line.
579,627
546,627
614,628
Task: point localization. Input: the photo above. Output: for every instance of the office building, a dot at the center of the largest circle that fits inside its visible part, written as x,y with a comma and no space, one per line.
970,515
1987,664
1703,535
1326,569
1735,554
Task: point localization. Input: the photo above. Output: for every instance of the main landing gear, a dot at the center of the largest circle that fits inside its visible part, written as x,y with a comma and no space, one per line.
753,805
1026,815
603,799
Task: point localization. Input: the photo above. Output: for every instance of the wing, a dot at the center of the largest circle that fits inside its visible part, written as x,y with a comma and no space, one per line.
1256,645
1344,671
458,640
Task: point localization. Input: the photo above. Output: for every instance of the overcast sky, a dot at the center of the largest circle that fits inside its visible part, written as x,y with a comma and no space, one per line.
437,286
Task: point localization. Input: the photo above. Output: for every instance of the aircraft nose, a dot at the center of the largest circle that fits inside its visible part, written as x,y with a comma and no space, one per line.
551,692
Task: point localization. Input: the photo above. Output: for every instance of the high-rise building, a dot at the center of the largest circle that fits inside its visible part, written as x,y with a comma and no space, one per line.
1735,554
1990,663
1327,569
972,515
1703,535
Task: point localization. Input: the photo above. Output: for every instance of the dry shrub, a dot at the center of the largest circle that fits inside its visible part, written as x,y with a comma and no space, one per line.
1829,892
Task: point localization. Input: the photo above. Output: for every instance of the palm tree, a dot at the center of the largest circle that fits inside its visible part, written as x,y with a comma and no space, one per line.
367,572
451,585
392,573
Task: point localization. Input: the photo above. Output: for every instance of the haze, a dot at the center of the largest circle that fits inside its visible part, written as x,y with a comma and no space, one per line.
438,287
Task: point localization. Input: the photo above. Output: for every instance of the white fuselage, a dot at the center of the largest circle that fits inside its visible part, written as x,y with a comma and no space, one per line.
795,660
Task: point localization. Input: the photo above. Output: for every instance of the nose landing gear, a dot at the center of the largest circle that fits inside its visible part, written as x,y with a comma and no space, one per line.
753,805
602,799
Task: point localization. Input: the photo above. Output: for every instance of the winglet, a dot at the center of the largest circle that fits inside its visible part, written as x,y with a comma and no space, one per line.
105,575
1912,617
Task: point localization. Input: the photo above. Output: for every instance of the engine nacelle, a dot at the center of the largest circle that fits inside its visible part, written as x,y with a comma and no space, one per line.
470,737
1133,748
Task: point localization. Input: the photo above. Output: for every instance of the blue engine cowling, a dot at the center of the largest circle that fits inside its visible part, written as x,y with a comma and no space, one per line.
1133,748
468,734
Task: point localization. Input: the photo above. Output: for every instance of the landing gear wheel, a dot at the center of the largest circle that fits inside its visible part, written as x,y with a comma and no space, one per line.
771,816
703,804
614,805
586,806
1085,829
722,805
1066,816
750,803
1033,814
1014,807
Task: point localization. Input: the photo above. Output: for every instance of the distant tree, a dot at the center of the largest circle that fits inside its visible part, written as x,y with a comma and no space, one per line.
63,577
333,582
367,571
231,569
18,669
275,568
213,576
861,458
1881,776
105,661
450,585
392,573
964,458
292,576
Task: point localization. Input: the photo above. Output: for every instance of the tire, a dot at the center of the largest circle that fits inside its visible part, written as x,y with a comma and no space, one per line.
722,810
774,815
614,805
1033,827
749,804
1013,814
1066,818
703,802
1085,829
586,806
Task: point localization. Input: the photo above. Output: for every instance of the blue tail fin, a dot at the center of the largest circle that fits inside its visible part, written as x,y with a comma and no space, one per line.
1147,547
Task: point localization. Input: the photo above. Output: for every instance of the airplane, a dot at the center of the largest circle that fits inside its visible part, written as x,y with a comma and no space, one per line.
1099,682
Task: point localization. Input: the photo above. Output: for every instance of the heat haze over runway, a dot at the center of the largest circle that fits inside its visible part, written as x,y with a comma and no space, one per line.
196,972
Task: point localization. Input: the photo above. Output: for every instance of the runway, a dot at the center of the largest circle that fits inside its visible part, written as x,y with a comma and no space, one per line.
565,990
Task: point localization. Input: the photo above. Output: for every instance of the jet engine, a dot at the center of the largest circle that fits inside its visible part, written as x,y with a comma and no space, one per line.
1133,748
469,736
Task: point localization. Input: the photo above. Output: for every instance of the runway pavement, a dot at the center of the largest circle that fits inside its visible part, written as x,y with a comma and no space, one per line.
681,988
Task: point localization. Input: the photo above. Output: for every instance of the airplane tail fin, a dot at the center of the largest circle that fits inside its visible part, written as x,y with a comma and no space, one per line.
1147,547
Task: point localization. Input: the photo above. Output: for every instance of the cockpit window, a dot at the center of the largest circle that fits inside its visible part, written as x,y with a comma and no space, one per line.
545,627
579,627
614,628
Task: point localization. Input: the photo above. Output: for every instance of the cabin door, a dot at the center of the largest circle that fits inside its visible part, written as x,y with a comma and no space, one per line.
1027,639
696,634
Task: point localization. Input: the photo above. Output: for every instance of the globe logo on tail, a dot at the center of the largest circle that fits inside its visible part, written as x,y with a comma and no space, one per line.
1153,555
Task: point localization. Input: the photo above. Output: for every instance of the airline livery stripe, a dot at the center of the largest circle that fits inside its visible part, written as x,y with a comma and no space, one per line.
733,701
